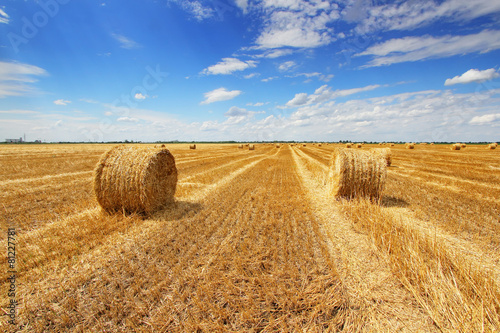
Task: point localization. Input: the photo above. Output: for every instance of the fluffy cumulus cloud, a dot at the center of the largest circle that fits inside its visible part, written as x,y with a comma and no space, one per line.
140,96
228,66
296,23
220,94
16,78
473,75
485,119
407,49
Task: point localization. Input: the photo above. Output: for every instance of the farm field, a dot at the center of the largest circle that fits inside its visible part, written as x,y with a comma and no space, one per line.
255,243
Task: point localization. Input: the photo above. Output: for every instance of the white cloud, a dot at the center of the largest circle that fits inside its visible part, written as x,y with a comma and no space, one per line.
269,79
427,47
15,78
125,42
242,4
195,8
485,119
295,23
140,96
275,53
321,77
298,100
408,15
61,102
228,66
473,75
128,119
324,93
249,76
220,94
287,65
4,18
236,111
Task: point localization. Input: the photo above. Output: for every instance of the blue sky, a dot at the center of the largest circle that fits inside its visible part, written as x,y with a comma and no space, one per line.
243,70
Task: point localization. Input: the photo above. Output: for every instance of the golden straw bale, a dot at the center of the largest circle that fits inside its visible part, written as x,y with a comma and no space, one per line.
392,145
357,173
492,146
432,143
135,179
277,146
463,145
385,153
410,146
348,145
319,144
359,145
456,146
251,147
192,146
240,146
303,145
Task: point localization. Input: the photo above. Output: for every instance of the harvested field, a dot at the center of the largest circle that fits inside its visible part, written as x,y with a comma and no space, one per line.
253,242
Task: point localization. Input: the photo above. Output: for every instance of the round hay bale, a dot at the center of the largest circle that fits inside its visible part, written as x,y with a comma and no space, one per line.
357,174
392,145
192,146
385,153
359,145
277,146
410,146
432,143
240,146
492,146
303,145
251,147
135,179
456,146
319,144
348,145
463,145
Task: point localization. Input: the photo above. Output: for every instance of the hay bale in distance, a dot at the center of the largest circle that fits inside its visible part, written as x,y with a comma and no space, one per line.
456,146
348,145
359,145
240,146
135,179
410,146
463,145
357,174
277,146
385,153
251,147
192,146
492,146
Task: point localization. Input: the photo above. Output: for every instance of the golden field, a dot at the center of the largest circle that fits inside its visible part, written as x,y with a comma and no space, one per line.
254,242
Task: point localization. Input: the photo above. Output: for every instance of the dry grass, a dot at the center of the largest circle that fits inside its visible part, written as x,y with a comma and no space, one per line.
357,174
385,153
249,245
135,180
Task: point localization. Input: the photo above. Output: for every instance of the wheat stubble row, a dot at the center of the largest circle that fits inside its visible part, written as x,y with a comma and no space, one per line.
249,256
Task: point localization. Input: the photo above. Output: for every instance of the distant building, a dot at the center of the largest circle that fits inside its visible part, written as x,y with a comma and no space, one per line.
14,140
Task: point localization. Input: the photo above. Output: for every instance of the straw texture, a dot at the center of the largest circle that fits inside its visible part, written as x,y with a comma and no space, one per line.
357,173
135,179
